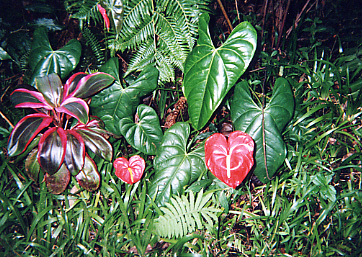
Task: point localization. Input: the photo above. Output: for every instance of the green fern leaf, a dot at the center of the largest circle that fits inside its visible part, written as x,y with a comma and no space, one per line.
94,44
84,10
184,215
171,26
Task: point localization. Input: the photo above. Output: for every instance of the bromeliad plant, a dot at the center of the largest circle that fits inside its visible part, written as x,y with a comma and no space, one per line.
62,129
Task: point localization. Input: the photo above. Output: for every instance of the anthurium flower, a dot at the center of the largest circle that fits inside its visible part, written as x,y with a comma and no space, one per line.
230,160
130,171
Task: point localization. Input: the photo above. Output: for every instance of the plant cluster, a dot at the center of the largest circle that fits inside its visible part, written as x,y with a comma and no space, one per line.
189,138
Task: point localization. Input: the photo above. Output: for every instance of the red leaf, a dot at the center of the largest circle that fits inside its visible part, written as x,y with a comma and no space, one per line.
230,160
104,15
129,171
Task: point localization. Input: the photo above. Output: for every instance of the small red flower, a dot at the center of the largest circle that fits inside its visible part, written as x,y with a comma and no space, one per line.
104,15
230,160
130,171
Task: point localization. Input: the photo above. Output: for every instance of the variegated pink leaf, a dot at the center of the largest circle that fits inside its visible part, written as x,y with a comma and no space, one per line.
59,181
75,153
89,177
76,108
96,143
51,87
25,131
52,148
92,84
24,98
71,84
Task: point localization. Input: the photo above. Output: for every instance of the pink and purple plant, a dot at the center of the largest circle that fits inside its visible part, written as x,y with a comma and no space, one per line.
63,129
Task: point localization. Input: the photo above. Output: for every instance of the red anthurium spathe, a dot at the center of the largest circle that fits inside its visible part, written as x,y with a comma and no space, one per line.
129,171
230,160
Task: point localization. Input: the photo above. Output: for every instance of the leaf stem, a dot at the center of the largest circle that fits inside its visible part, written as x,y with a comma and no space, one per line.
225,15
6,119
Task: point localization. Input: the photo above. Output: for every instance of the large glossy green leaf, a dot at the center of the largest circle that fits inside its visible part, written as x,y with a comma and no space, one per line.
264,125
211,72
43,60
116,102
145,133
175,166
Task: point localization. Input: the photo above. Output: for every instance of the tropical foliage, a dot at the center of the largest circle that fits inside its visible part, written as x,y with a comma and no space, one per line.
180,128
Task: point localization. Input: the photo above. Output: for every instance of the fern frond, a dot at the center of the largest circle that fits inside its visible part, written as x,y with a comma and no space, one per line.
171,24
184,215
94,44
84,10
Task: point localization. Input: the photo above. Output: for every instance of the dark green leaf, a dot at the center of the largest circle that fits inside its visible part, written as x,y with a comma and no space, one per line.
264,125
144,134
175,166
89,178
116,103
43,60
210,73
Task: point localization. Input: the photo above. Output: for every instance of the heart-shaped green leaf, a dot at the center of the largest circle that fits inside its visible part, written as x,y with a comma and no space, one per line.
175,166
264,125
43,60
144,134
210,73
116,103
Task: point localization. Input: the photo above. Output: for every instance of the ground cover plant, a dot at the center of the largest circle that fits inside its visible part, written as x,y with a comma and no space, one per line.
180,128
